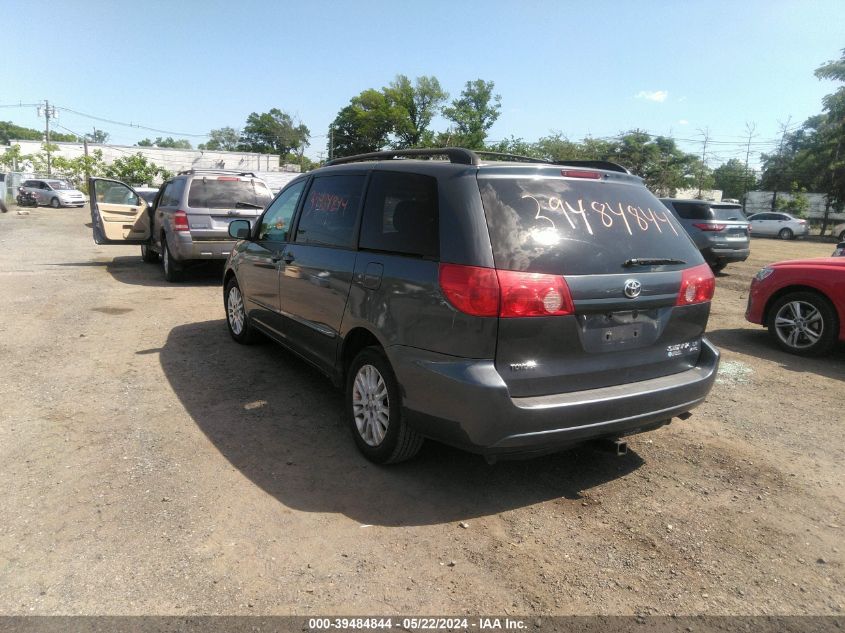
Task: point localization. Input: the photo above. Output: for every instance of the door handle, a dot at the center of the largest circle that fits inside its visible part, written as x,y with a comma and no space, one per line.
288,258
275,257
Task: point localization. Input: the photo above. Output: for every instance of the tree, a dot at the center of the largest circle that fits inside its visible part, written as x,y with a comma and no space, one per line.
136,170
12,158
415,105
10,132
364,125
77,170
273,132
733,179
97,136
224,139
660,163
474,113
38,161
797,204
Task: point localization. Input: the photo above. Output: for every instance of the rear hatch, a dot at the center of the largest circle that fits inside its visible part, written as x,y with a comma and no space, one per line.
625,261
727,226
214,201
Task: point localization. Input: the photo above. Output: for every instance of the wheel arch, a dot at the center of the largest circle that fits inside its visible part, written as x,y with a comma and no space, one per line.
355,340
775,297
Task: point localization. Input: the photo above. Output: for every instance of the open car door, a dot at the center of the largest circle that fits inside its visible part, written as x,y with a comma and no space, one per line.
118,214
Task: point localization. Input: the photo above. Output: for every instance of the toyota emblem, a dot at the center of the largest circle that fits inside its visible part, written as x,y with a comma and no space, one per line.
633,288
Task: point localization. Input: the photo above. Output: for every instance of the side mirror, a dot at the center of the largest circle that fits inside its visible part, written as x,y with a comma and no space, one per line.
239,229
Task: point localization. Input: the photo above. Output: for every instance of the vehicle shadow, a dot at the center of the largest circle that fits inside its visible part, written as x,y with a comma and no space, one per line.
132,270
280,423
758,343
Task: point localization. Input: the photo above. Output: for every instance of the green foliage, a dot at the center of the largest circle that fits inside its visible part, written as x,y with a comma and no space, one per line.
224,139
474,113
12,159
733,179
413,108
9,131
798,204
273,132
136,170
168,142
38,161
364,125
76,170
97,136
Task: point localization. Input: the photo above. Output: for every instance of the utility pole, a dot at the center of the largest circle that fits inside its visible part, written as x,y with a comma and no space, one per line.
49,112
331,142
87,164
749,127
706,133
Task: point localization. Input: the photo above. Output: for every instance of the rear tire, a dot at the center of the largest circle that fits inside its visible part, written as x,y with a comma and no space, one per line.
148,254
374,410
718,267
54,202
172,269
804,323
785,234
842,236
236,319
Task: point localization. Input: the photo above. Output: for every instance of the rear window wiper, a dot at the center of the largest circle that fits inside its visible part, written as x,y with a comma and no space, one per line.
248,205
653,261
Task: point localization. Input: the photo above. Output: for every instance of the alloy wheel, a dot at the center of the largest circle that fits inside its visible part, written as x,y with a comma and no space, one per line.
235,310
370,405
799,324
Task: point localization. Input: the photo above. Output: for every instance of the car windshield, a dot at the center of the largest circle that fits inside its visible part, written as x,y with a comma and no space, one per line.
225,193
58,185
562,226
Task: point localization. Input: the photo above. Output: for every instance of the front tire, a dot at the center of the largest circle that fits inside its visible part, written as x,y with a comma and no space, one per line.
785,234
54,202
374,410
172,270
236,319
804,323
842,236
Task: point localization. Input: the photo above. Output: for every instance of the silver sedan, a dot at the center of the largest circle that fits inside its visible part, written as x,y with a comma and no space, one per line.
781,225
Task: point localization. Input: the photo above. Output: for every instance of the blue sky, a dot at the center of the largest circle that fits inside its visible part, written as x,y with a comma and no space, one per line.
582,68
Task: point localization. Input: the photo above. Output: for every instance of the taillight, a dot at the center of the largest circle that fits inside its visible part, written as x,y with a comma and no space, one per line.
580,173
180,221
709,226
471,289
488,292
697,285
532,294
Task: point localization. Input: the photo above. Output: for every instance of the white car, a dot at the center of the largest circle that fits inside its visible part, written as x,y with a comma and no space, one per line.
839,232
777,224
56,193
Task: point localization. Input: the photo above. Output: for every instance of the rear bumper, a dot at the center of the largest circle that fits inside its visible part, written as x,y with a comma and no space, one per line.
721,254
466,403
184,248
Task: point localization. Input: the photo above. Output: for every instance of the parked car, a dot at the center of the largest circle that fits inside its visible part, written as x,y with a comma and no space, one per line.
802,302
839,251
719,230
56,193
839,232
501,307
188,220
782,225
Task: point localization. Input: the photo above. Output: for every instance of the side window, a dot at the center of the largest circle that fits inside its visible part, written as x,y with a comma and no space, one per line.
400,215
115,193
172,194
330,211
691,211
275,224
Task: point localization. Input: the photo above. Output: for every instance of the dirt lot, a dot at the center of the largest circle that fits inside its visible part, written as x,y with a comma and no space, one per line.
148,464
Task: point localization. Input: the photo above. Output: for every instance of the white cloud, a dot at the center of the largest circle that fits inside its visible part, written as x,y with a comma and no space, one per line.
653,95
683,122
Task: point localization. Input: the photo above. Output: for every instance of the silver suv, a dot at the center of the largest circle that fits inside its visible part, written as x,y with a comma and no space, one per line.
53,192
187,221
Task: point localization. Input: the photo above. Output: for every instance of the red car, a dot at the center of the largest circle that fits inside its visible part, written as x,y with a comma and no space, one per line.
802,302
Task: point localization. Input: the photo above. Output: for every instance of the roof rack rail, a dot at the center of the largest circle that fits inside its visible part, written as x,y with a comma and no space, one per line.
514,157
598,164
231,172
454,154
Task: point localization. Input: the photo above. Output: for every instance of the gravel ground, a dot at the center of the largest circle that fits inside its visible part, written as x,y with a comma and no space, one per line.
149,465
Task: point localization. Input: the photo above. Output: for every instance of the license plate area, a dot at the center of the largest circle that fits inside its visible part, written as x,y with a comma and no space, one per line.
620,330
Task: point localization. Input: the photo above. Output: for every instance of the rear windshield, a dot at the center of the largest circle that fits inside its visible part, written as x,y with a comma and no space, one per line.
727,213
214,193
572,227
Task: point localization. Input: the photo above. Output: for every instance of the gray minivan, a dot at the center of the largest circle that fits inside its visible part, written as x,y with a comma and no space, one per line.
186,222
720,230
501,307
